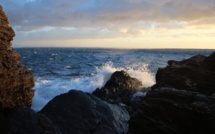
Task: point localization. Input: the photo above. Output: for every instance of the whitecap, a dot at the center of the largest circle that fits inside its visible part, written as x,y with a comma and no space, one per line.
48,88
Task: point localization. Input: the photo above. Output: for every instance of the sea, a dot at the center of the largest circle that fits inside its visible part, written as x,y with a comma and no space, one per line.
58,70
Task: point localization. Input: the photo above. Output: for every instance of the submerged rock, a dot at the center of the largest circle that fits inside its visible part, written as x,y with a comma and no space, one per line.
119,89
16,82
79,113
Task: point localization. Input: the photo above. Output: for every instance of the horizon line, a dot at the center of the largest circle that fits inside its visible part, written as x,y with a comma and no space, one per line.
115,48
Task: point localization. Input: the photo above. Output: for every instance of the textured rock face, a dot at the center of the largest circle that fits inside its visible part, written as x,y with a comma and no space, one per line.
194,74
78,113
16,81
119,89
172,111
182,101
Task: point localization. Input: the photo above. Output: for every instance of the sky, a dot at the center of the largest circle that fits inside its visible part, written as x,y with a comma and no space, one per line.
112,23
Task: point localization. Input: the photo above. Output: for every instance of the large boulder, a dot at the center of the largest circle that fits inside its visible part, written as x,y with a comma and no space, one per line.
119,88
194,74
21,120
172,111
16,82
181,102
76,112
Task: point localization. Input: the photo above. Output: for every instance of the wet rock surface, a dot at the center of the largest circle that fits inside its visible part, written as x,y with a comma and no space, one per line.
119,88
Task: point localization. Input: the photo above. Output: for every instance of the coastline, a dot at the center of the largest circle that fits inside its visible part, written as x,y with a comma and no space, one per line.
182,100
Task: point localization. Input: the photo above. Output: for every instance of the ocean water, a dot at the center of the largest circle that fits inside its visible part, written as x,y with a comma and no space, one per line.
58,70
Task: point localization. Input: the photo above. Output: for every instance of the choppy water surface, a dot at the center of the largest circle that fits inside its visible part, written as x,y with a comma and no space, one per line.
57,70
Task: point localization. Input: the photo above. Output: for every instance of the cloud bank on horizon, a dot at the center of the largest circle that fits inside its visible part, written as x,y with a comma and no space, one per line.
121,23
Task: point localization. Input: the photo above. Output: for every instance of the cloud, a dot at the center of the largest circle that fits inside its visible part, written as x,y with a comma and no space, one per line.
53,21
36,14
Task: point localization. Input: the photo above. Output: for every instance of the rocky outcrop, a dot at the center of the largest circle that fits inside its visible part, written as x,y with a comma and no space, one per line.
194,74
79,113
181,102
172,111
74,112
16,81
119,89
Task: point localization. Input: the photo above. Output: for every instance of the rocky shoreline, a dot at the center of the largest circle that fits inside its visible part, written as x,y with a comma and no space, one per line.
181,102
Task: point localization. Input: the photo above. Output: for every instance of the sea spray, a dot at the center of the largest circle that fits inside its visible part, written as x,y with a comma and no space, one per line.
47,89
58,70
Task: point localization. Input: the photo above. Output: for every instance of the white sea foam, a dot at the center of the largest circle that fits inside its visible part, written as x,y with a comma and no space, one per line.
47,89
68,67
142,73
139,94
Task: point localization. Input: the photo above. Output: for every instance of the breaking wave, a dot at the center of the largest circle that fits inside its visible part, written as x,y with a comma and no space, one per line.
48,88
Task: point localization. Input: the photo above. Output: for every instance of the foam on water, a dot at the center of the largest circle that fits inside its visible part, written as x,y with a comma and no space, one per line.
58,70
47,89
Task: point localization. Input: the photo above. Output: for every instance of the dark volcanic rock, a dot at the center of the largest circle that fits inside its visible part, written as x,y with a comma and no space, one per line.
194,74
119,88
172,111
16,82
209,63
182,101
79,113
20,120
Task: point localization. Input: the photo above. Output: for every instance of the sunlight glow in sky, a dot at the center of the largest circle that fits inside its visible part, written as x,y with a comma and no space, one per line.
112,23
